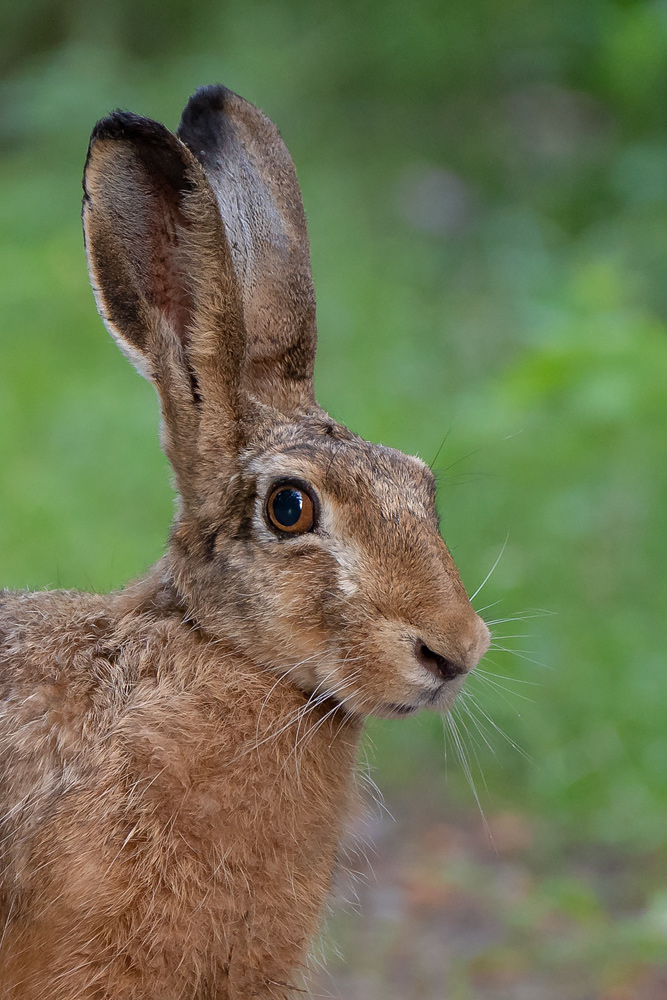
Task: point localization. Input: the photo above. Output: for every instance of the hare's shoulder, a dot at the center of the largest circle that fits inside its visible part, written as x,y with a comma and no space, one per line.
52,640
78,671
69,663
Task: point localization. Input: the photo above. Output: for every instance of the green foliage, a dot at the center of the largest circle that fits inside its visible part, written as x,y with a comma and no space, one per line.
487,197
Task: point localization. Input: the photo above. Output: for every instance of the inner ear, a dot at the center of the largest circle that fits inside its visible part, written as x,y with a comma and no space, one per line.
168,287
168,282
161,224
162,274
136,183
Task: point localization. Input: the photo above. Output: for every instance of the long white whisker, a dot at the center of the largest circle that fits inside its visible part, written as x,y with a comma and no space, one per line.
487,606
461,708
331,690
465,764
503,691
504,735
488,575
515,652
463,705
522,616
483,672
274,686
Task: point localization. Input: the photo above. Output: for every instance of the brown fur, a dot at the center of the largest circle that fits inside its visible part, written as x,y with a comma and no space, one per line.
178,758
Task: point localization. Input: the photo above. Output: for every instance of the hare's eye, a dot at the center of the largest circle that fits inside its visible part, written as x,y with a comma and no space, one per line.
290,509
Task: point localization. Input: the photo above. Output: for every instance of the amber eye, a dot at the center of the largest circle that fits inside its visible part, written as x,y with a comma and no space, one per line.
290,509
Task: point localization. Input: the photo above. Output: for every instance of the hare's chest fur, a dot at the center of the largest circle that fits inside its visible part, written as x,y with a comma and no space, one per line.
180,837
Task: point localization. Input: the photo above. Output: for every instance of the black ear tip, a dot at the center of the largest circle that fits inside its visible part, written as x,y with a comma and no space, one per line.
205,100
156,148
128,126
204,122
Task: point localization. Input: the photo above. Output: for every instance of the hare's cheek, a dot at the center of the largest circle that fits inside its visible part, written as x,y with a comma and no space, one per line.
347,561
346,584
300,593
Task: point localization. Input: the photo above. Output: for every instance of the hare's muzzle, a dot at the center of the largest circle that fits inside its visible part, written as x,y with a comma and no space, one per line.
442,667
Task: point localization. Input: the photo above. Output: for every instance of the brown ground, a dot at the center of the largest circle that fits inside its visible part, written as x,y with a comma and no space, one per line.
447,913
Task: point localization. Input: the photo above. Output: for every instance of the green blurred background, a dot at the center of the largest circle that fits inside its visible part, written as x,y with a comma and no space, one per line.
486,186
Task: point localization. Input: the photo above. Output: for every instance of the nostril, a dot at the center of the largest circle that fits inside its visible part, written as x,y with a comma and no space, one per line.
438,665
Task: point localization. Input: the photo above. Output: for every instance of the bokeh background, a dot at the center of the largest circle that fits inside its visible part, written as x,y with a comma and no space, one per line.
486,186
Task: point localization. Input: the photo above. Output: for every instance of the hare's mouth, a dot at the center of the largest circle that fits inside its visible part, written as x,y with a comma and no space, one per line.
387,709
439,699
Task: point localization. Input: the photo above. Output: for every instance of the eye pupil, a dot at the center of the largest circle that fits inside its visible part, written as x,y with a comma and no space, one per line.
287,506
290,509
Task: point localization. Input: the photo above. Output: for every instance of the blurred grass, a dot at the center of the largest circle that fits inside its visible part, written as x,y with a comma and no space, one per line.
487,200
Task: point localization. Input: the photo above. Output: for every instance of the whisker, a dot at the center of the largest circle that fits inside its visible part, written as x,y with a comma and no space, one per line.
274,686
332,690
480,670
495,726
437,454
523,656
487,606
521,616
463,458
488,575
465,765
495,680
462,709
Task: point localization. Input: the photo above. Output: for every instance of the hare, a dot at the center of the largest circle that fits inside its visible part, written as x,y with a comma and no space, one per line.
178,758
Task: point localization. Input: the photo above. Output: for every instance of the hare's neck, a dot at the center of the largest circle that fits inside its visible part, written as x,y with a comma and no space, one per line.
256,783
249,750
253,745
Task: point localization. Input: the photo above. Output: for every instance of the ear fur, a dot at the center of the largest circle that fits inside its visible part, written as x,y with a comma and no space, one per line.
253,177
162,274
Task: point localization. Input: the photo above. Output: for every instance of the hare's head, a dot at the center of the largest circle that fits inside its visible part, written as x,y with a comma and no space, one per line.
313,552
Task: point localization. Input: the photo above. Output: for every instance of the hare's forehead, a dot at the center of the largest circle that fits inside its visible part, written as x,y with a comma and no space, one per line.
354,474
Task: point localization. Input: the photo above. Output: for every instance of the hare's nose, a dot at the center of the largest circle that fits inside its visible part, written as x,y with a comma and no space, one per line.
440,666
483,639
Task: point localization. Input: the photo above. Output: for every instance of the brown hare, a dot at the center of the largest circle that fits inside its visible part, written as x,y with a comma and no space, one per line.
178,758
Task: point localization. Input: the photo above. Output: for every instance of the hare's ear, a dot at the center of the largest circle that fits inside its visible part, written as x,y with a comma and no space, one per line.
163,278
254,180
